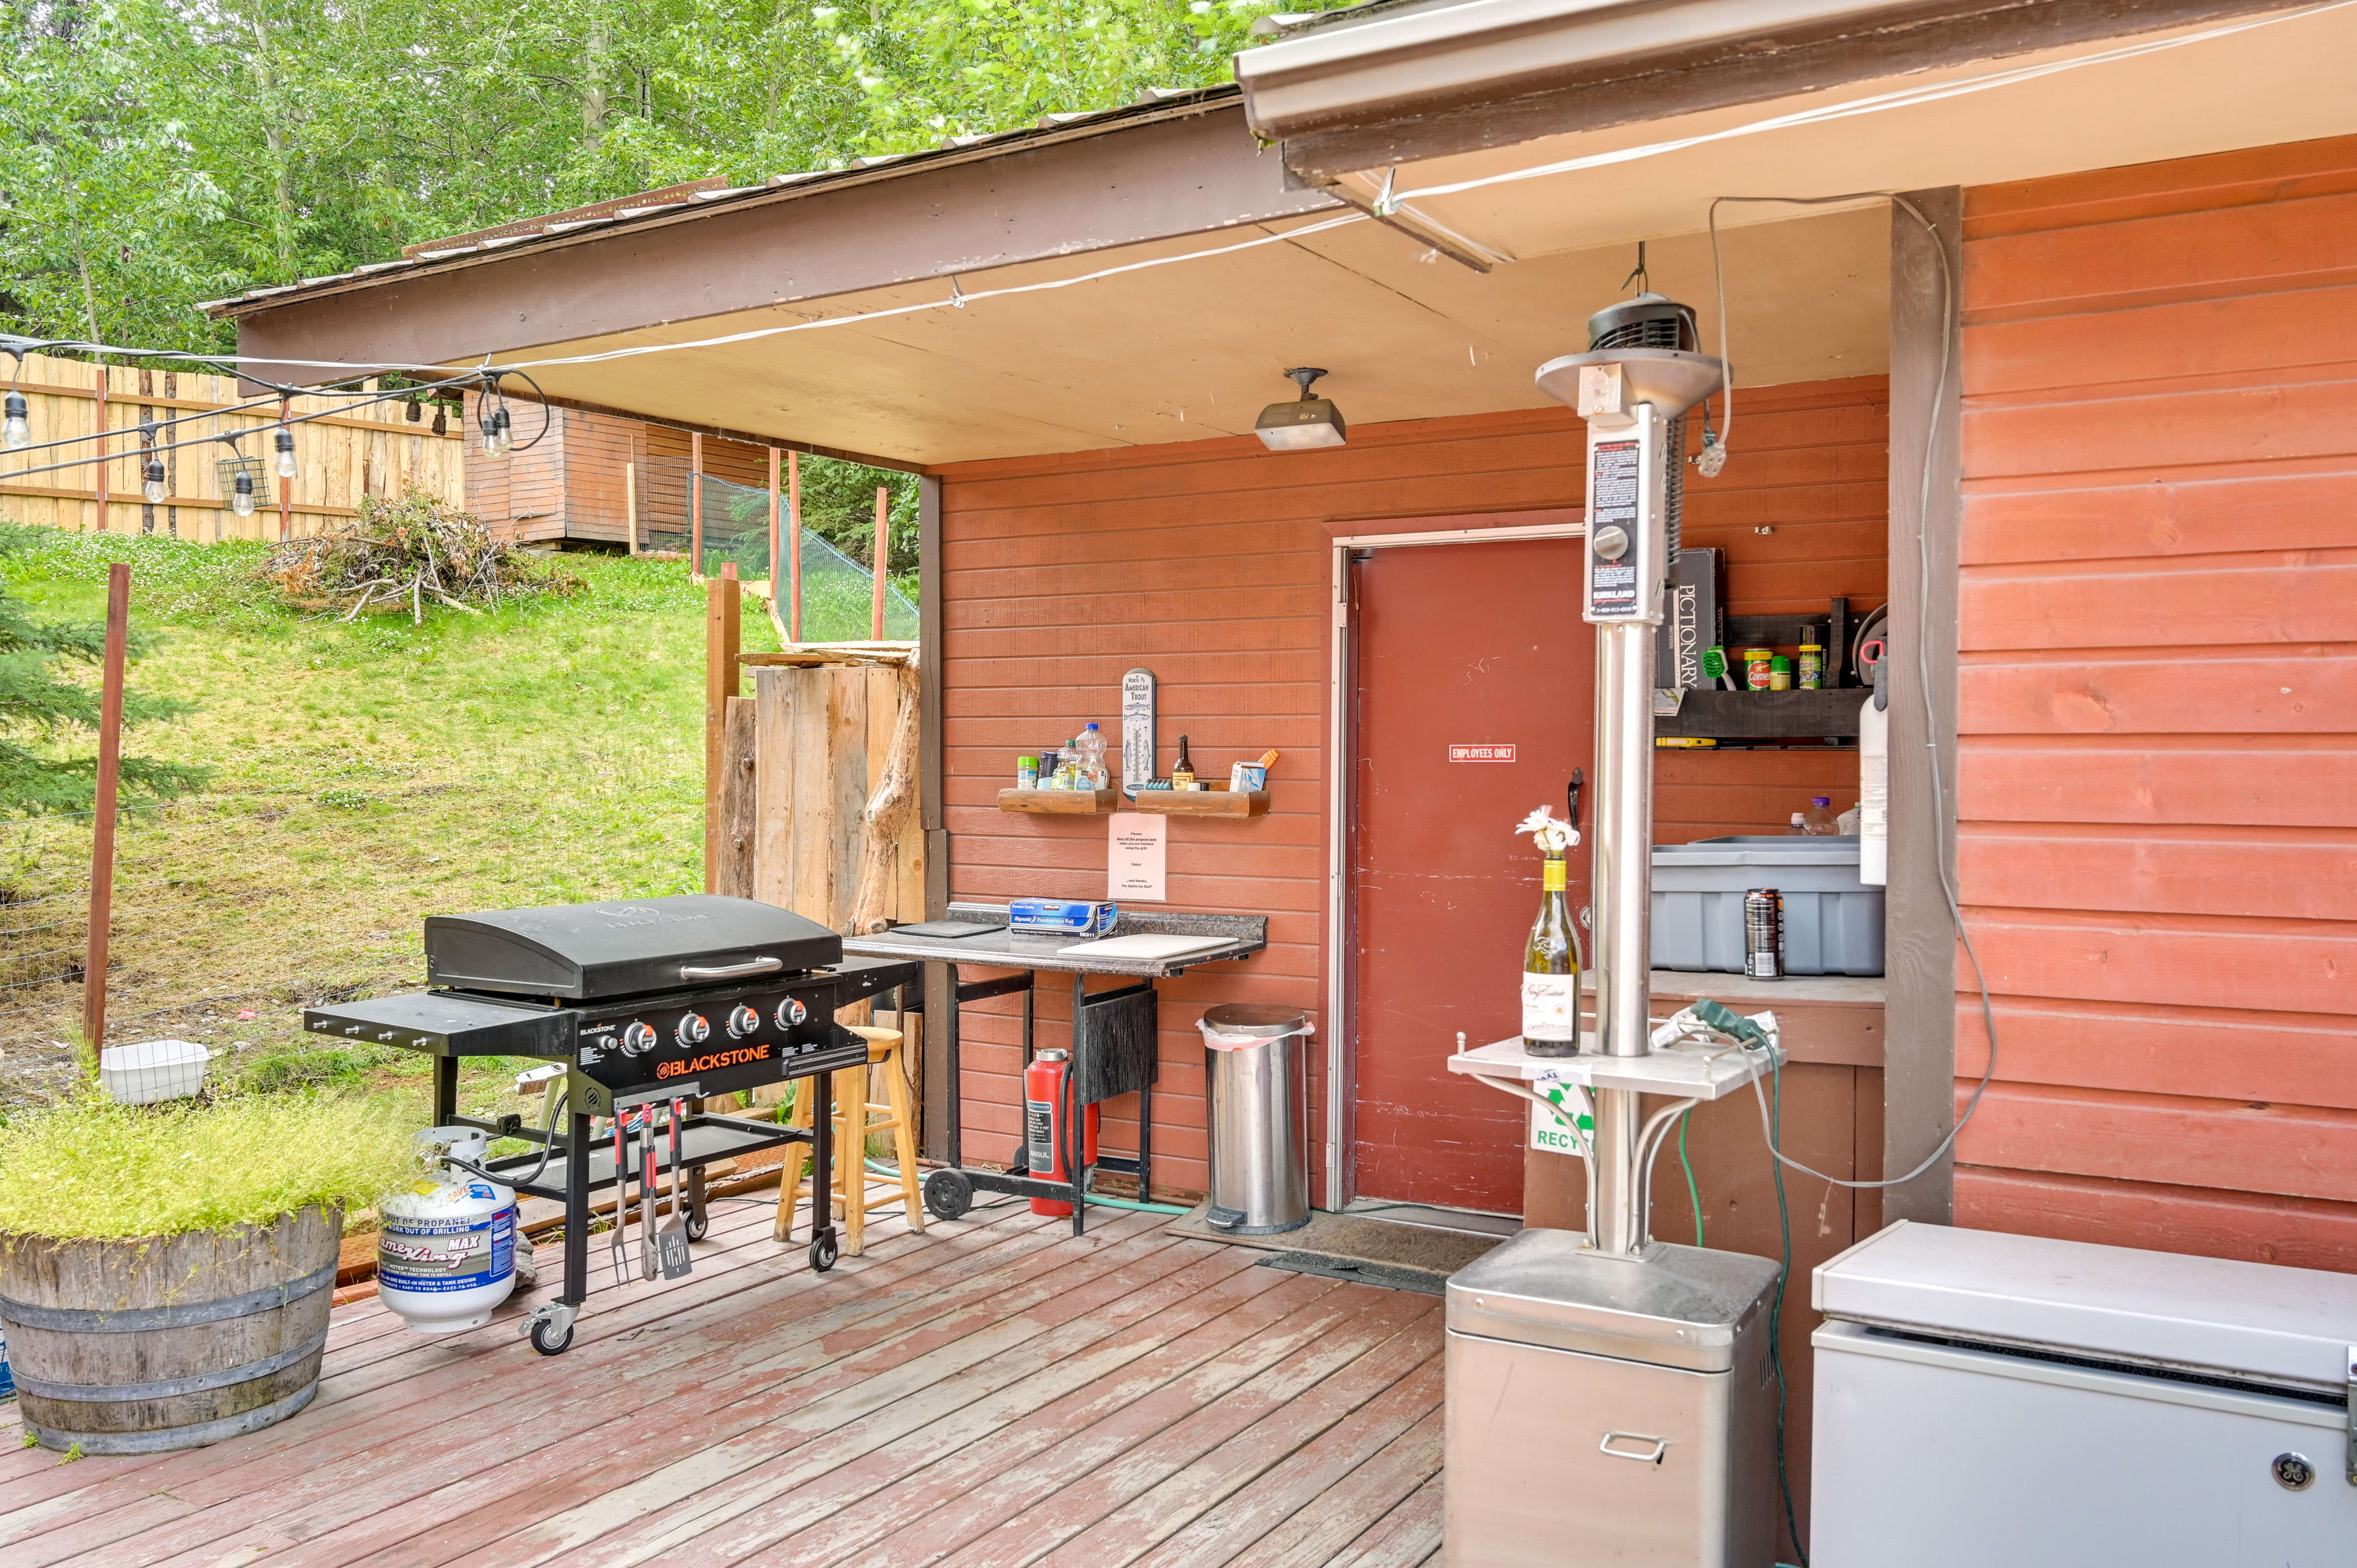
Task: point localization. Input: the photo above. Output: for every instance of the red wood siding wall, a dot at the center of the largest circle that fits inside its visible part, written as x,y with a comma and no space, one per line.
1207,562
2158,704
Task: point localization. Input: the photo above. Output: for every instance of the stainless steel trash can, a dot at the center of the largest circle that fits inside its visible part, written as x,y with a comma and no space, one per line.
1260,1118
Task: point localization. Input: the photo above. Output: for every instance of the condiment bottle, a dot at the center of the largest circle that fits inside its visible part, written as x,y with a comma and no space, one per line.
1812,672
1182,772
1027,773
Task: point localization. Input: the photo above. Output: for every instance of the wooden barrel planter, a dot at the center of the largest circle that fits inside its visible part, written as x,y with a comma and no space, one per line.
164,1342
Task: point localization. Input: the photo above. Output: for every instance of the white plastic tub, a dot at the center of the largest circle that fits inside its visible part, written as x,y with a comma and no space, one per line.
152,1070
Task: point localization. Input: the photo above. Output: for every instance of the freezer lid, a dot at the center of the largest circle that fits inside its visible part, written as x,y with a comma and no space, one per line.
2258,1323
583,951
1678,1306
1762,850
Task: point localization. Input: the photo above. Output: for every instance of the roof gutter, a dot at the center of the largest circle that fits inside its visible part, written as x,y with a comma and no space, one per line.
1351,93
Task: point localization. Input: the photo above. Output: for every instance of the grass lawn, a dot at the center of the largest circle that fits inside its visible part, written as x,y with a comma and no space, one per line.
365,775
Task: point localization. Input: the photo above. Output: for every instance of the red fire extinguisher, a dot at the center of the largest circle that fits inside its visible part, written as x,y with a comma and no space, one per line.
1043,1129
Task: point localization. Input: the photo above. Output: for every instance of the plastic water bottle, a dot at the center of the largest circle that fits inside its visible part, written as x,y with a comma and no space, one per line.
1820,819
1088,746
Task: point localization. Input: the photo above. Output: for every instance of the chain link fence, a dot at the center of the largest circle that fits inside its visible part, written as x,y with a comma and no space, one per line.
235,911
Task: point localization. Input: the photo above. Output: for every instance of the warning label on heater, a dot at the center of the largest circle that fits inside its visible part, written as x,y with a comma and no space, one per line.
1612,502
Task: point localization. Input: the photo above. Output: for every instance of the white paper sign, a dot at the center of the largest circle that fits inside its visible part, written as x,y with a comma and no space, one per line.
1135,861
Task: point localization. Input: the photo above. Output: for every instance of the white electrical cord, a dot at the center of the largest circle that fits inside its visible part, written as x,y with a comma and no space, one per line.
1948,324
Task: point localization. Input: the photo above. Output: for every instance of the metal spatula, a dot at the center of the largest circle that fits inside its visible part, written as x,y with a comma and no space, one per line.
671,1241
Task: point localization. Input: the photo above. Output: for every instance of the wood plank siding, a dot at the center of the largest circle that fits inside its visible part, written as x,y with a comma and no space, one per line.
2157,800
1208,563
570,485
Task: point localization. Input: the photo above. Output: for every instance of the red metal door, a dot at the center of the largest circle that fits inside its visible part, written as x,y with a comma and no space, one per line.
1462,650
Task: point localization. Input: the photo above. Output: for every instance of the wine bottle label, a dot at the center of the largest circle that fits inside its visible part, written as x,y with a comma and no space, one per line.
1550,1006
1553,875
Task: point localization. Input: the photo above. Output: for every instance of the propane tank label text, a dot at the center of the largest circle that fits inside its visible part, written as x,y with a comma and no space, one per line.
737,1057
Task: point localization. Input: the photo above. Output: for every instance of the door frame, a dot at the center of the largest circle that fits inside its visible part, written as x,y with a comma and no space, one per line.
1341,1034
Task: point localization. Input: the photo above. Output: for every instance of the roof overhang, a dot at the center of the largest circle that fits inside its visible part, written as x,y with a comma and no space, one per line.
1381,85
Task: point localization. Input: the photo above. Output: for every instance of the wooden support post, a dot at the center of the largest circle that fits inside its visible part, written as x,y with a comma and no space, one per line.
883,557
286,485
722,623
630,502
101,838
777,573
739,757
99,425
695,505
794,546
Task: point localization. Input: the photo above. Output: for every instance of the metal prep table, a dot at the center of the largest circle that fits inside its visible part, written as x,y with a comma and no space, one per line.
1113,1034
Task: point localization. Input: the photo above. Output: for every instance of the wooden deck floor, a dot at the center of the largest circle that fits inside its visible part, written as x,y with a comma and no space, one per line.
993,1392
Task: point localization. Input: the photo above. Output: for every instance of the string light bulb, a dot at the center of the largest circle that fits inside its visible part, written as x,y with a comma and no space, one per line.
241,500
286,453
16,428
495,440
151,482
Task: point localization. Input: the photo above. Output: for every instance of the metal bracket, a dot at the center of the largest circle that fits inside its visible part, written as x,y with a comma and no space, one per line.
2352,1415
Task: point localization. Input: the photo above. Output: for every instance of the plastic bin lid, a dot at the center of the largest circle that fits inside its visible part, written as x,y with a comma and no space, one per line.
1747,849
1263,1019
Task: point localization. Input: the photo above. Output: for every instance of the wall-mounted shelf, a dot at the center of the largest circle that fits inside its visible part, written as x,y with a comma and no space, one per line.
1061,802
1767,715
1202,802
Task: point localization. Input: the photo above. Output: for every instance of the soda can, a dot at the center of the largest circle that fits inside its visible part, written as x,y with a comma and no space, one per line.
1763,934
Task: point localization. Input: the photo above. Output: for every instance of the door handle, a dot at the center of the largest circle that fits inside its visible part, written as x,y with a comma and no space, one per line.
1653,1455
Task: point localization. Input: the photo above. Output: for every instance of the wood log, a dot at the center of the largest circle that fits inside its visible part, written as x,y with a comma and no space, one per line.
736,875
888,810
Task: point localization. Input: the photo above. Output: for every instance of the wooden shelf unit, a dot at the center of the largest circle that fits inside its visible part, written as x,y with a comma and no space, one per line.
1215,802
1061,802
1767,715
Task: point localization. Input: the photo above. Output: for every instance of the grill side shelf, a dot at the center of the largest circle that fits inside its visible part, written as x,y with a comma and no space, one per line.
447,1024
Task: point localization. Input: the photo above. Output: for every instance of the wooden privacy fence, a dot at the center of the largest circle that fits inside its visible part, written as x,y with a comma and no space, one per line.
374,450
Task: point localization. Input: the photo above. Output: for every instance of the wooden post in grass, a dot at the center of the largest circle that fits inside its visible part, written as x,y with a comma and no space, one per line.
286,485
795,545
722,626
101,838
630,502
883,555
696,506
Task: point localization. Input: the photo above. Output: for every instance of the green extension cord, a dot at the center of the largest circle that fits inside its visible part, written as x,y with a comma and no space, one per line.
1694,1195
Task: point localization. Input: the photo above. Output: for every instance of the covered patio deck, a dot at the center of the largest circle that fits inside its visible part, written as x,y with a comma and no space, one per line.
993,1391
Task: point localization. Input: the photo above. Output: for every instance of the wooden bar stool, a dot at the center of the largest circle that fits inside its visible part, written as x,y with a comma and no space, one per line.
896,1116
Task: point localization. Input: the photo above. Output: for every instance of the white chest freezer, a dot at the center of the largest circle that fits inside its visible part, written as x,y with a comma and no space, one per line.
1990,1398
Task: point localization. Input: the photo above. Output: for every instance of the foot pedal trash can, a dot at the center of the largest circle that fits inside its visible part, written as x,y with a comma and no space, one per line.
1260,1118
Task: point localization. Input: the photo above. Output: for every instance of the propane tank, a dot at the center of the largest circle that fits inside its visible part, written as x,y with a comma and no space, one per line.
446,1244
1043,1134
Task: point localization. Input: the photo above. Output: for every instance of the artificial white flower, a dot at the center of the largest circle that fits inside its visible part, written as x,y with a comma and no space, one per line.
1552,836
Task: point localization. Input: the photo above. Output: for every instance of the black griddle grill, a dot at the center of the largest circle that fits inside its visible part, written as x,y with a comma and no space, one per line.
646,1001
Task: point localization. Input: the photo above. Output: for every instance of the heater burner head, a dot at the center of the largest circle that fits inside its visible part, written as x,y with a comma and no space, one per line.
1648,321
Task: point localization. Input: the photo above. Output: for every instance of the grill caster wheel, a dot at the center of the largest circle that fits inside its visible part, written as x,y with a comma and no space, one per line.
548,1341
948,1194
822,1252
699,1224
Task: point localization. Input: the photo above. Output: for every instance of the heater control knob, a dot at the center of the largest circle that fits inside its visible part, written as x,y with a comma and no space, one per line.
791,1012
638,1039
743,1022
1611,542
693,1030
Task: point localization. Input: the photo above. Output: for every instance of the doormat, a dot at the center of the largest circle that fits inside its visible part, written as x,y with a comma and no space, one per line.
1383,1274
1354,1238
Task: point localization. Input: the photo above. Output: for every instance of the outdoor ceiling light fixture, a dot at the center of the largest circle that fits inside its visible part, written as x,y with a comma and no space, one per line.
1304,423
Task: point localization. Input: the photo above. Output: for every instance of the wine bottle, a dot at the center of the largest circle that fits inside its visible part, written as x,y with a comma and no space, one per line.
1551,969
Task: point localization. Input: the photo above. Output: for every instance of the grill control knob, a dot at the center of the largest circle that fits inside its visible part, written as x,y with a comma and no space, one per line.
743,1021
638,1039
791,1012
693,1030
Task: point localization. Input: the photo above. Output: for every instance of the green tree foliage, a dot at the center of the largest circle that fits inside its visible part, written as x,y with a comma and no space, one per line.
157,151
41,709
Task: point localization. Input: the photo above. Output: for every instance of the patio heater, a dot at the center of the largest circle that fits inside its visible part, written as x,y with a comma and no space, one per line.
1609,1395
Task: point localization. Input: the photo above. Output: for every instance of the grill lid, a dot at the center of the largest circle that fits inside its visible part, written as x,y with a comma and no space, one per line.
583,951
